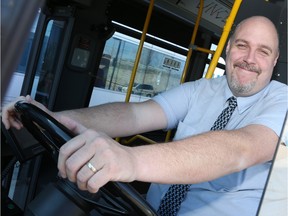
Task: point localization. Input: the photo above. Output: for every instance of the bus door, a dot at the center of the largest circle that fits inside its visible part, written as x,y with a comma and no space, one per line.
62,62
65,58
38,67
47,53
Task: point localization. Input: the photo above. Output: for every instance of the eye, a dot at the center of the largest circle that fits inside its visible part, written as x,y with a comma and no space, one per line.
241,45
264,52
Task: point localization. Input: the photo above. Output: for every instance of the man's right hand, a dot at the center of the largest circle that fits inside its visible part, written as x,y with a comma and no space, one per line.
10,118
9,115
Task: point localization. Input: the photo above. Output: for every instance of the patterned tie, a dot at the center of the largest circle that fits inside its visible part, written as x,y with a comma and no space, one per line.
171,202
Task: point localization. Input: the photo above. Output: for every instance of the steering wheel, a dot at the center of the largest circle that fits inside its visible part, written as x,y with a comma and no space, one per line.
52,135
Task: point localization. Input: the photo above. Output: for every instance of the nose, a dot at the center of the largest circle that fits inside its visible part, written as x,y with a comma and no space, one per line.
250,56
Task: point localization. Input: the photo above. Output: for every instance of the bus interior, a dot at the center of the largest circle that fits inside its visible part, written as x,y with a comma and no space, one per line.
70,54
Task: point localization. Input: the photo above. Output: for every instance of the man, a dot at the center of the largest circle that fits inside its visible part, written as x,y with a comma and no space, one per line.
226,168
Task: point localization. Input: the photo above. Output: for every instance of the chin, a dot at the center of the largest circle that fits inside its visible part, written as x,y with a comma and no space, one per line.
242,89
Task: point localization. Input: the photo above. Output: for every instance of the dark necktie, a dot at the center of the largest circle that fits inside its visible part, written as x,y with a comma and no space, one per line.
171,202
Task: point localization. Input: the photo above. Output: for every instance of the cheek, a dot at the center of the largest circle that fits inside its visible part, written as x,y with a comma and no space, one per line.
228,61
234,56
266,67
266,72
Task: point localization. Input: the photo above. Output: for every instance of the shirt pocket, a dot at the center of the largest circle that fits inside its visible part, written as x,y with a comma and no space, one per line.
184,130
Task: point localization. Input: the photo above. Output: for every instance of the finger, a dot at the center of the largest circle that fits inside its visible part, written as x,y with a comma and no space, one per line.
65,152
78,159
72,125
9,116
86,172
16,123
74,154
89,139
29,99
98,180
4,116
9,120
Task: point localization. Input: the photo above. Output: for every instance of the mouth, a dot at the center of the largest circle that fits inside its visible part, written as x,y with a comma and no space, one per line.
247,67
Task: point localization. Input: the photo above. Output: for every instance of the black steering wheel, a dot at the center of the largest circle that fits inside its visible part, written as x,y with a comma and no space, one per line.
52,135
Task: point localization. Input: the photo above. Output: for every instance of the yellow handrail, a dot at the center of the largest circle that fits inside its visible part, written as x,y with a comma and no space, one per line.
139,51
212,66
189,54
126,142
195,30
223,39
138,55
204,50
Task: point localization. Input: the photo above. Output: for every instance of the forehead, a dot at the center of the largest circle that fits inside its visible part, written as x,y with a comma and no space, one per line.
258,32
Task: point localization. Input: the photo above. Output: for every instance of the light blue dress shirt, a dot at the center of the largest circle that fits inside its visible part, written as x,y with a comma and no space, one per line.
193,107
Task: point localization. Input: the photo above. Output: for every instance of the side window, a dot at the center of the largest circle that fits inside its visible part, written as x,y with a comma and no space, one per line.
17,78
47,62
159,69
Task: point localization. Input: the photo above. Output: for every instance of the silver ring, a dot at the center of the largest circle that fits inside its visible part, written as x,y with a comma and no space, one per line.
91,167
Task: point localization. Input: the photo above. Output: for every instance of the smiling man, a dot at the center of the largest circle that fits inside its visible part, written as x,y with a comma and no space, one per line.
252,53
222,169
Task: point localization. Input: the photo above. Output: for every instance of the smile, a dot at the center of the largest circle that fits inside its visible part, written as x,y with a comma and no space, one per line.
247,67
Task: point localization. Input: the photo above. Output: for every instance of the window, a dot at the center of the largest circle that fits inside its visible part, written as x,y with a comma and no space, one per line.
218,71
47,62
16,81
158,70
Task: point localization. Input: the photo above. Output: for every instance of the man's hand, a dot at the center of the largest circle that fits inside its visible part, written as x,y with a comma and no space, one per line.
9,114
109,161
10,118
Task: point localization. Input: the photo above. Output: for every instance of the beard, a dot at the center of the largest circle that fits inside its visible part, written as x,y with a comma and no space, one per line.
242,88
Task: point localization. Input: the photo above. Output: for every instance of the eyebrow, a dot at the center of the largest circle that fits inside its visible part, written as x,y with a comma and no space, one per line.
261,45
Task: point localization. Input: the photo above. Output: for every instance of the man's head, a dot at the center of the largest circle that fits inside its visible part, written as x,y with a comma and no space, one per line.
251,55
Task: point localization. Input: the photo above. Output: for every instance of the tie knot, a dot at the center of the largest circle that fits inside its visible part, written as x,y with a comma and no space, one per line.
224,117
232,101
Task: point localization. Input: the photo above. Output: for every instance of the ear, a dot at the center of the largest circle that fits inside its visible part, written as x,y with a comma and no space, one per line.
276,58
227,47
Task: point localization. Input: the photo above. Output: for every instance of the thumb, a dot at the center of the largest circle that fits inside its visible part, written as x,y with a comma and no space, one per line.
71,124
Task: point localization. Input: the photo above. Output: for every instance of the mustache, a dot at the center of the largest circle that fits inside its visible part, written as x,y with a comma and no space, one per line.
247,66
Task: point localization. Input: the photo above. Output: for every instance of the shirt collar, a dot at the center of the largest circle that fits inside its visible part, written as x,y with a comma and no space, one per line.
244,103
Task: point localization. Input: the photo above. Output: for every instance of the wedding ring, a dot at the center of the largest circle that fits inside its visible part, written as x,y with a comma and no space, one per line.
91,167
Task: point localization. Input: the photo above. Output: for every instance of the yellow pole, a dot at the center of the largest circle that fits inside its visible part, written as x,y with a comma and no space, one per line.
189,54
204,50
195,30
138,55
126,142
139,51
224,36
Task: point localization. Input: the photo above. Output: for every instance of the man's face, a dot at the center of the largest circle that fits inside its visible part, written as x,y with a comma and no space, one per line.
251,56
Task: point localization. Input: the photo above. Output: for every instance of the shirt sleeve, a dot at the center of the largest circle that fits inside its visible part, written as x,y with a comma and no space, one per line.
273,111
176,102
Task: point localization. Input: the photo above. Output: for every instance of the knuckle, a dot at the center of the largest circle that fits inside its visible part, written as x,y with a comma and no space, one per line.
109,153
90,133
92,187
100,140
70,166
81,178
63,151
